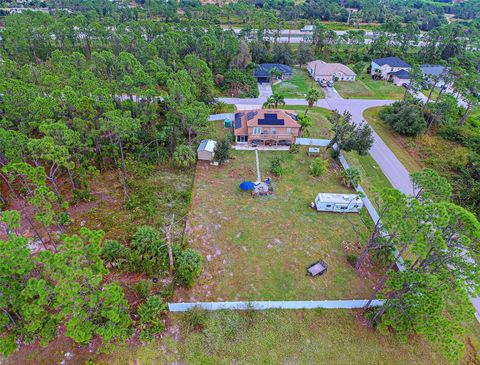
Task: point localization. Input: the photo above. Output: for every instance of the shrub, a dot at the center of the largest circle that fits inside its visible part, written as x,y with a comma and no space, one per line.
143,288
222,151
151,313
184,156
351,177
318,166
196,318
144,239
352,259
276,167
404,117
294,148
113,252
188,266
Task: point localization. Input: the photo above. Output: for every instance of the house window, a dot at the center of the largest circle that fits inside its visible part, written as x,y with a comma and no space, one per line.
289,130
241,138
355,206
329,205
273,130
257,130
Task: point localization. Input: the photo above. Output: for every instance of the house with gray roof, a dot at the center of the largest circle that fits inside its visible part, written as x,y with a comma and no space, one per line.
387,65
262,73
435,74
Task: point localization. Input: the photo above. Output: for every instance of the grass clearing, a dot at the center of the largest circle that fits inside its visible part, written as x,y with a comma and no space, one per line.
259,248
277,337
364,87
297,86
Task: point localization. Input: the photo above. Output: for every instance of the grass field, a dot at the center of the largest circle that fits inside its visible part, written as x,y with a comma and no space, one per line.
297,86
259,248
364,87
276,337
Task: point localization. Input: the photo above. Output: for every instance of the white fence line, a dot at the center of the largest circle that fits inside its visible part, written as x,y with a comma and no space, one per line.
263,305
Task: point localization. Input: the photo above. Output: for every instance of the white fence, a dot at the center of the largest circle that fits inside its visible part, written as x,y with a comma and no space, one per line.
263,305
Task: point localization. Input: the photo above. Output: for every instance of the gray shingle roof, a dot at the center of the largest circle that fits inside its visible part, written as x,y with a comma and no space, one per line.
435,70
391,61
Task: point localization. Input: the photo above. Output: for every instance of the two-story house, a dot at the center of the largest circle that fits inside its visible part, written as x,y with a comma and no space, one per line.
266,127
385,67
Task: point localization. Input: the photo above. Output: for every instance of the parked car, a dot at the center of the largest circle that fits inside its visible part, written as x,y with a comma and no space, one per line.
323,83
330,83
405,85
425,85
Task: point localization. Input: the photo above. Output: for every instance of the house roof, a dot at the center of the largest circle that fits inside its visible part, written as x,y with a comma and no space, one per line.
391,61
435,70
264,118
207,145
401,74
328,69
263,69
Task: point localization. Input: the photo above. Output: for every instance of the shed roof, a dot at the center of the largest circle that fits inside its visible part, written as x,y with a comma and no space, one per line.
391,61
338,198
207,145
263,69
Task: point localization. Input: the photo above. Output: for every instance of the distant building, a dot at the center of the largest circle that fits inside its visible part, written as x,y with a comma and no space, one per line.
266,127
435,74
320,70
307,28
206,150
388,65
262,73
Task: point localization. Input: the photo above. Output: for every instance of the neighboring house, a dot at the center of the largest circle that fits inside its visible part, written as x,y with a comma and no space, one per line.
262,73
342,203
435,73
307,28
206,150
320,70
388,65
266,127
400,77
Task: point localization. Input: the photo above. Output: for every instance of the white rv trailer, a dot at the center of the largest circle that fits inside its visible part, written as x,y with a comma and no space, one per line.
342,203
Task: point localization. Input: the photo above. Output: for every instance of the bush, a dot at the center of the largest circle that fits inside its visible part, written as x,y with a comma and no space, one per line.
294,148
404,117
222,151
184,156
151,313
188,266
352,259
143,288
318,167
196,318
276,167
113,252
351,177
144,239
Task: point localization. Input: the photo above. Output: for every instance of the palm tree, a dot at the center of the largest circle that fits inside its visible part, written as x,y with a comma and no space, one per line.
312,96
275,73
274,100
305,123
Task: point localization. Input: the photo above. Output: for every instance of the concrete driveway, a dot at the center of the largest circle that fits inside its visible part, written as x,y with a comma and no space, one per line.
264,90
331,93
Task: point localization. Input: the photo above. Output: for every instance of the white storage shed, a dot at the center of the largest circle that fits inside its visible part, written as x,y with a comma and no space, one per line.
206,150
343,203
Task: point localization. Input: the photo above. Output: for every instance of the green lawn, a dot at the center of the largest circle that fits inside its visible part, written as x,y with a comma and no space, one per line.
364,87
276,337
297,86
259,248
320,125
399,145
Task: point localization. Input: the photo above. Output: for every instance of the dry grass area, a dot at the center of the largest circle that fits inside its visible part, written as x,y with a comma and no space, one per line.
259,248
